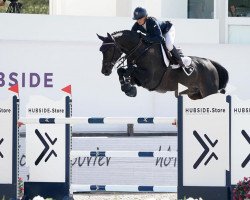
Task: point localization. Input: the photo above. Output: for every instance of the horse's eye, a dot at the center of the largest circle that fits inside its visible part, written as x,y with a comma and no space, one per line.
103,48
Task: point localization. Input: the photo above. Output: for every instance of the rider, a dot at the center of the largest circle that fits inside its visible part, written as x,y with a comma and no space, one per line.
156,31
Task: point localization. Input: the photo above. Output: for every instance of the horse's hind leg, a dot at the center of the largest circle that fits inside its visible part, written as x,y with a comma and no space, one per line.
195,96
176,93
209,89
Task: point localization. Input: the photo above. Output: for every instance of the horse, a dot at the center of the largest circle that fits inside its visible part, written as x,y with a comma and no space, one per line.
151,72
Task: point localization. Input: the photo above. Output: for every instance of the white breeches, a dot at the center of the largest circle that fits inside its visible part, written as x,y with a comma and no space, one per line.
170,37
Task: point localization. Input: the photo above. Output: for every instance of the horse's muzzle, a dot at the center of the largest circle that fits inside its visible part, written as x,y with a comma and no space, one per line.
106,72
107,68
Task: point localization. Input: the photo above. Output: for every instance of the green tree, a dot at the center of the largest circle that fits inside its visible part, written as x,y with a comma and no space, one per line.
31,6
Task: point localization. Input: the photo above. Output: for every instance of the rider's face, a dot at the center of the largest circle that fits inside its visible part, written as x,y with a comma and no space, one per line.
141,21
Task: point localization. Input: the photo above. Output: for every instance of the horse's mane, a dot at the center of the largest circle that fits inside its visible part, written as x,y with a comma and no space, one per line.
122,31
126,35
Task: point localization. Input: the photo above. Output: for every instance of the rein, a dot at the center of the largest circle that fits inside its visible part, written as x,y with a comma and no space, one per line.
130,53
145,50
122,59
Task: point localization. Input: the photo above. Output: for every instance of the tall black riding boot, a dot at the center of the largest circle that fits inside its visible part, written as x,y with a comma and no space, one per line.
177,57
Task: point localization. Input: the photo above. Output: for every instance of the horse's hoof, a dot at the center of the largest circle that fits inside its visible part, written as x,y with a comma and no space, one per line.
223,91
126,87
132,92
121,71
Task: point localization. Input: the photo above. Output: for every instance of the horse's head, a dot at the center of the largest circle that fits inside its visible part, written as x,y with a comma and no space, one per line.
111,53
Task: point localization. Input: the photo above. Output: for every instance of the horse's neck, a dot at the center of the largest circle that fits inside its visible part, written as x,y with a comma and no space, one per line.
127,42
143,53
151,57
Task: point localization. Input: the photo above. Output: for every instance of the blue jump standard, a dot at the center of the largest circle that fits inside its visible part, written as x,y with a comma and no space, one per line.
9,191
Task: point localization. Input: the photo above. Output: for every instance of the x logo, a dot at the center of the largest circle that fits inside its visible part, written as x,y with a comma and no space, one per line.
245,135
1,141
46,147
147,120
206,149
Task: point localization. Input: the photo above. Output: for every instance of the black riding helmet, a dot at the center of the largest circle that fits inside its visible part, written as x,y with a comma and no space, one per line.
139,13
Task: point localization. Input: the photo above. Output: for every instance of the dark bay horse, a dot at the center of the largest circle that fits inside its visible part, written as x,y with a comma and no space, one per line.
151,72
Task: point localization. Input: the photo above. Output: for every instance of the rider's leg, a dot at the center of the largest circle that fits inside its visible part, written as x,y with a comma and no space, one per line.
177,56
170,37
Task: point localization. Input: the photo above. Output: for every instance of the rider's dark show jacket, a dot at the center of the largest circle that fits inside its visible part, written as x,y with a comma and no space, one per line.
155,29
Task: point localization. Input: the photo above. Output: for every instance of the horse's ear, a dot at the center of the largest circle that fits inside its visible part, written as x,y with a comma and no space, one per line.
100,37
110,37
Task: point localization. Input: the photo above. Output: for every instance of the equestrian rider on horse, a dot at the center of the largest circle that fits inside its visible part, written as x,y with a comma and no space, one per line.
155,31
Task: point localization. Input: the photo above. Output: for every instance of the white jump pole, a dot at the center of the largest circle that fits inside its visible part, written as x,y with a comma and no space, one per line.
100,120
122,188
123,154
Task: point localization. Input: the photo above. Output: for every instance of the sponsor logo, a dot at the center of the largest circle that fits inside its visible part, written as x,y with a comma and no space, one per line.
31,80
247,137
241,110
204,110
45,110
1,141
206,149
46,147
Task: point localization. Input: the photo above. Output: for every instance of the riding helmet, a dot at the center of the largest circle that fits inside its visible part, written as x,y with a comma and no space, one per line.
139,13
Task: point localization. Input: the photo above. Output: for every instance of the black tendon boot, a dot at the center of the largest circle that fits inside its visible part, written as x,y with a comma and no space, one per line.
177,57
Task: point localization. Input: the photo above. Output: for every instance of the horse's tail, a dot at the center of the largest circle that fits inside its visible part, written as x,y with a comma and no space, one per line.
223,76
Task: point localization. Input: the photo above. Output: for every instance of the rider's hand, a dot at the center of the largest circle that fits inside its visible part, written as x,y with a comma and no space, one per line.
163,40
141,34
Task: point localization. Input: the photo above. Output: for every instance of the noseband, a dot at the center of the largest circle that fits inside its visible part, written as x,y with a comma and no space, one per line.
111,62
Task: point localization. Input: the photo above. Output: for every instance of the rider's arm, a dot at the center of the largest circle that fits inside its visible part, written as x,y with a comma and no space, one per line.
135,27
154,32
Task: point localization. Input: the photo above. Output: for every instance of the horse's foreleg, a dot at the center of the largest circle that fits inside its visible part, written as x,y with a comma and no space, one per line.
140,76
125,83
124,86
121,73
129,78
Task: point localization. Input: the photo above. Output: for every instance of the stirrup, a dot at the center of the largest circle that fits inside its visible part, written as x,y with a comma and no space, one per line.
188,70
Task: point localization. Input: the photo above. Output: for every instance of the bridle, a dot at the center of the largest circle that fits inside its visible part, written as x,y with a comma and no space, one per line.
111,62
122,59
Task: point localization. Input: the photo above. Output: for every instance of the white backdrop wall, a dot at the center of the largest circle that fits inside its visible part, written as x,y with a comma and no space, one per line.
84,29
83,7
238,30
125,8
68,49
